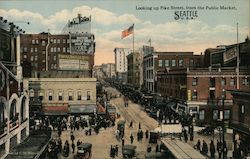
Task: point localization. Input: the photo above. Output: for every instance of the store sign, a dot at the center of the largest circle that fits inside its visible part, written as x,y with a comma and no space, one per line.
73,62
82,44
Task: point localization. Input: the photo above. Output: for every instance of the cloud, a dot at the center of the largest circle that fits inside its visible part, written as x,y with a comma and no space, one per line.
193,35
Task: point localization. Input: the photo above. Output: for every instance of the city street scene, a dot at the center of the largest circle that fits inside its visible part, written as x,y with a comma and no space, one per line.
118,79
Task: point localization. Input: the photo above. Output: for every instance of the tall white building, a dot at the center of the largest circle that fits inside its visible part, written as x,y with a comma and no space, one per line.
121,64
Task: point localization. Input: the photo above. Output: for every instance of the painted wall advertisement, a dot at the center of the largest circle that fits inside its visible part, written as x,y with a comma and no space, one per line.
82,44
73,62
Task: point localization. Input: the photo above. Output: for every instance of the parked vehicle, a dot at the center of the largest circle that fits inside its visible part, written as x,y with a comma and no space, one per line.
84,151
128,151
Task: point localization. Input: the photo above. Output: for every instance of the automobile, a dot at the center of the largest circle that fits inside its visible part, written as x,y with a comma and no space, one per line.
128,151
206,131
84,151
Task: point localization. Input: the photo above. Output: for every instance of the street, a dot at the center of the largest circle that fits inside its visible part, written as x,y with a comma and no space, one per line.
102,142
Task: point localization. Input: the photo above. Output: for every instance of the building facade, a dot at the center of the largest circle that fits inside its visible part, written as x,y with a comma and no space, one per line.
240,122
108,70
203,89
161,61
134,69
14,101
62,52
121,64
63,96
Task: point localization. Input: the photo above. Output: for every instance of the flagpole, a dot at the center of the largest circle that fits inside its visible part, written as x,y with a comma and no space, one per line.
133,38
238,59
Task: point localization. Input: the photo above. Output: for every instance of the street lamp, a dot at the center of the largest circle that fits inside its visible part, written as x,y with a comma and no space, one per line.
223,126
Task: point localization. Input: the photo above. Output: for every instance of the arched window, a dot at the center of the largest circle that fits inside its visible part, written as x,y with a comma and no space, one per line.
23,109
13,110
1,112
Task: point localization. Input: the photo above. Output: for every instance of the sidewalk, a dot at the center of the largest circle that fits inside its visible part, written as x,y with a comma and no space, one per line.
207,139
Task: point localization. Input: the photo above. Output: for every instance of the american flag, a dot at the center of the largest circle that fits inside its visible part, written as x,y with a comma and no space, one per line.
128,31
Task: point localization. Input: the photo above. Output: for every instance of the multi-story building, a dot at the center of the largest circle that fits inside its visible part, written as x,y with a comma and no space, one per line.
203,87
98,73
108,70
63,96
14,101
134,69
62,52
121,64
240,122
160,61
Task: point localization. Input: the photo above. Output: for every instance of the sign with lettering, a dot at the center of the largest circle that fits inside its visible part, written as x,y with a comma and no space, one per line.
73,62
82,43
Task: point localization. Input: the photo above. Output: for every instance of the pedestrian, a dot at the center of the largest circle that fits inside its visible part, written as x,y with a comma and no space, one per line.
122,142
131,124
73,147
198,145
116,150
212,149
139,125
185,135
225,149
72,137
219,148
78,143
157,148
204,150
131,138
146,134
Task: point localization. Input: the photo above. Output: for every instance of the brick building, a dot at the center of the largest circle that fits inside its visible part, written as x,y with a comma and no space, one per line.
201,87
240,122
14,101
60,53
160,61
134,69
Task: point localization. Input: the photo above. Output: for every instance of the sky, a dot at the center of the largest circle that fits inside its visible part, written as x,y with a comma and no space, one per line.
153,19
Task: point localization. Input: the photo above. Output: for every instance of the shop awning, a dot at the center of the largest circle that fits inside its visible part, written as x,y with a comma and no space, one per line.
55,110
83,109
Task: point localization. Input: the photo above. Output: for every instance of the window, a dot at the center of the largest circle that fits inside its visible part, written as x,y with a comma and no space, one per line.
54,41
160,63
79,95
88,95
50,95
64,41
173,63
166,63
43,52
68,50
202,114
195,81
181,62
227,114
40,94
191,62
194,95
212,82
31,49
60,95
55,58
232,81
215,114
70,95
35,58
52,49
54,66
245,81
58,49
33,41
25,49
68,41
35,49
24,56
43,43
37,41
58,41
223,81
31,58
64,49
